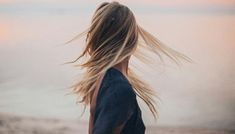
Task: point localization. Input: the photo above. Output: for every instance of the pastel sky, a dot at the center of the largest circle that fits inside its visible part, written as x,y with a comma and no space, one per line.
156,2
226,5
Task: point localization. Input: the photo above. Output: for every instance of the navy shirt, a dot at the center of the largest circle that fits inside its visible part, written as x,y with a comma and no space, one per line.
117,110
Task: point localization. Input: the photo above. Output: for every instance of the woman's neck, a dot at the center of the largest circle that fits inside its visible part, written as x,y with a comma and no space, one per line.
122,67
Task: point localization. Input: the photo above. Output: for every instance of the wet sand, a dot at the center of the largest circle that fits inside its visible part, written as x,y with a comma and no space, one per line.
13,124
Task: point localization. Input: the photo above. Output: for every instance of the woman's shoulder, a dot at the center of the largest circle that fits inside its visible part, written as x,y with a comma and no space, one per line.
116,86
121,88
113,74
118,93
117,82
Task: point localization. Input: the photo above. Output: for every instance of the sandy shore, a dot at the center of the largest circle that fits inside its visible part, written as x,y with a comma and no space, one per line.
12,124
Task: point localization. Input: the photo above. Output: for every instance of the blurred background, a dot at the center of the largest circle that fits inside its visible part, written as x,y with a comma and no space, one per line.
33,81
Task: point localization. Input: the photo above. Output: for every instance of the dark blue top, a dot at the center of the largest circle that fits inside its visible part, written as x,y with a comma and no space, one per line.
116,106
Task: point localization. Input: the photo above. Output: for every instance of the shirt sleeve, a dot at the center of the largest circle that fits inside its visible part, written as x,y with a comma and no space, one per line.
115,109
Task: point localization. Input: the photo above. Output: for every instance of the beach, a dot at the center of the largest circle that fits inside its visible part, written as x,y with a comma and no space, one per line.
13,124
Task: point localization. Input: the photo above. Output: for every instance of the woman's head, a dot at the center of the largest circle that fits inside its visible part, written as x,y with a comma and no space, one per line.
112,37
113,27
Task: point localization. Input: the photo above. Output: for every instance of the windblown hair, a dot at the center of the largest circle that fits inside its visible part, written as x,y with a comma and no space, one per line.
112,37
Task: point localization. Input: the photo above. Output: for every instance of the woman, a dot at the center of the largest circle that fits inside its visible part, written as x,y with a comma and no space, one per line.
109,86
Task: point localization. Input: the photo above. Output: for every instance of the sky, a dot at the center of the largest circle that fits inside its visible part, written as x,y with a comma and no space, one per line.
156,5
33,82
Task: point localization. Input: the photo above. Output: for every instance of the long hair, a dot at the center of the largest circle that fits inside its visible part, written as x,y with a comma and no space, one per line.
112,37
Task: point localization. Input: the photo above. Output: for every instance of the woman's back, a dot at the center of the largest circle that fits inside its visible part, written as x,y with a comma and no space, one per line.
116,110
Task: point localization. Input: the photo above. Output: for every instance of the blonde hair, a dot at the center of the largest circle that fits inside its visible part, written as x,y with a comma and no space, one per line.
112,37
